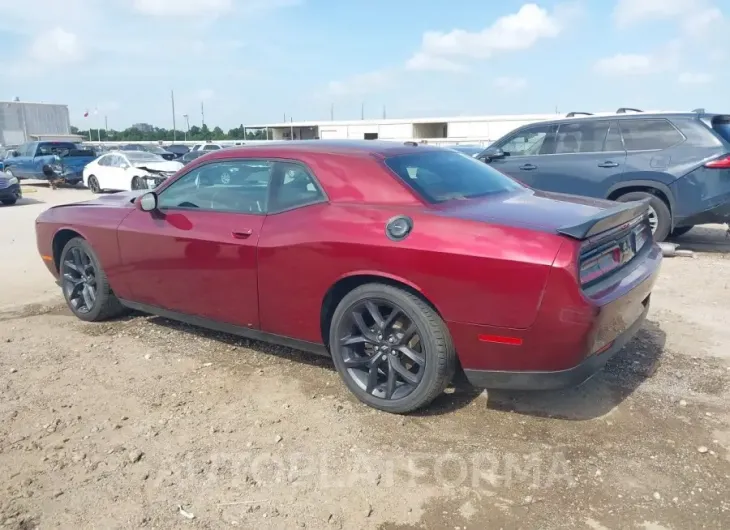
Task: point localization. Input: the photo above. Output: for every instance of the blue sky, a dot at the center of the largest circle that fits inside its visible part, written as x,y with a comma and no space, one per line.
253,61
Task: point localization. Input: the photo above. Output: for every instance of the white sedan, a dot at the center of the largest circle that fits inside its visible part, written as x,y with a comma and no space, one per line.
128,170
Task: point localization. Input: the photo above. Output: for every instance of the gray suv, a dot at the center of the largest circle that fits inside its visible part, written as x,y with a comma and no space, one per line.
680,161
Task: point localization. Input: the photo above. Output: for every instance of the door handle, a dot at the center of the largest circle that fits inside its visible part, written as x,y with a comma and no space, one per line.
242,234
608,163
528,167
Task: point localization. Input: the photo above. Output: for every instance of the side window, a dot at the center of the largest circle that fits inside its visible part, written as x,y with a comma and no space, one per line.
292,186
581,137
104,160
649,134
613,139
240,186
22,150
211,147
531,141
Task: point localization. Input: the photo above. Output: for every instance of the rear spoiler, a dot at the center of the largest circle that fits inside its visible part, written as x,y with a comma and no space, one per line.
609,218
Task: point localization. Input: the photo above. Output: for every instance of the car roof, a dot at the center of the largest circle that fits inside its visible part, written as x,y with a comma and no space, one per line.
628,116
377,148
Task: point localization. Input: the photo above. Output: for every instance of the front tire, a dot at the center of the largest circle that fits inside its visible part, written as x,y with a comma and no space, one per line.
85,285
660,217
138,184
9,202
392,349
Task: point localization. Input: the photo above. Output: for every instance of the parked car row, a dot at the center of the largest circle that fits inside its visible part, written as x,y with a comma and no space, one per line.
679,162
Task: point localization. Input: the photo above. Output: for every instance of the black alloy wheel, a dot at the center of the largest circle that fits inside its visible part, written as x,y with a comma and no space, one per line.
79,280
382,349
391,348
85,285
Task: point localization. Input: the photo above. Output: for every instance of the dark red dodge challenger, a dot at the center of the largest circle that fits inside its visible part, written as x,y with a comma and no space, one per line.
403,262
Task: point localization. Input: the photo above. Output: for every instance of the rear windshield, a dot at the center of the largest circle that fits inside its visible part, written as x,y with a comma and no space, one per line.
445,175
142,156
721,125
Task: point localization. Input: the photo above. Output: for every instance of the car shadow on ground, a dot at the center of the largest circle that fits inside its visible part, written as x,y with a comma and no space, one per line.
707,238
25,201
623,374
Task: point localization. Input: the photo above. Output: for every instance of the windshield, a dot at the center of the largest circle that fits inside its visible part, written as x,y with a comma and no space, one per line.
445,175
154,149
136,157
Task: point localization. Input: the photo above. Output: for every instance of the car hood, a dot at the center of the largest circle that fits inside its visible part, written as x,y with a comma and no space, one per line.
166,166
536,210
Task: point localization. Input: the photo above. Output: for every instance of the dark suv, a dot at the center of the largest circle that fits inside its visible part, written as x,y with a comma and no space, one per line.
680,161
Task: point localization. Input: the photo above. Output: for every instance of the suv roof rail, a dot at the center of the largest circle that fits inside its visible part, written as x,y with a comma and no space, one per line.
624,110
411,143
699,111
573,114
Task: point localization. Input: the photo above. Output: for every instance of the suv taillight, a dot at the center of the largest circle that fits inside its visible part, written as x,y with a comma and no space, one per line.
720,163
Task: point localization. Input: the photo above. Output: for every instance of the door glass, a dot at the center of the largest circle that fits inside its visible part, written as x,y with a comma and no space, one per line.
613,139
649,134
293,186
529,142
233,186
581,137
104,160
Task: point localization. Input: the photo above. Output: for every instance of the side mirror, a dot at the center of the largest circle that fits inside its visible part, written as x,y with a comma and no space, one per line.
492,154
148,202
15,154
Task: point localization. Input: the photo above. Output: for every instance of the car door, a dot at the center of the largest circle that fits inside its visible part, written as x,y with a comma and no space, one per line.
196,254
19,165
589,156
522,152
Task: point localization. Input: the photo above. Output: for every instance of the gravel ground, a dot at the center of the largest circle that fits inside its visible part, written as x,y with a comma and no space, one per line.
143,422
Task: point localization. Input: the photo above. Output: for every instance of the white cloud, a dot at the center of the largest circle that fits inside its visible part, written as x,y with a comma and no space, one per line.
664,59
702,23
425,62
630,12
360,84
518,31
510,84
57,46
695,78
182,7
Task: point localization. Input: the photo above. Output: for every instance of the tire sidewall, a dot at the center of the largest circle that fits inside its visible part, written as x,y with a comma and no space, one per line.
664,216
94,184
430,375
99,301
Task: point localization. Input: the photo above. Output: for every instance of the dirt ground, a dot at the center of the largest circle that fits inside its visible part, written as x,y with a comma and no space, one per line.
146,423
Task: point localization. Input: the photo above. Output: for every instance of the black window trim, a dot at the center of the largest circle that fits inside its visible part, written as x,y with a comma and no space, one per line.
650,118
324,198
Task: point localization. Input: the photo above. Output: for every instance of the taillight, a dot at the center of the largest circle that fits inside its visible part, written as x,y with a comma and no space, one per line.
720,163
600,264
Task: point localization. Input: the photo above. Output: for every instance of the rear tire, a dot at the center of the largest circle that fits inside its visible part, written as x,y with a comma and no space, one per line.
677,232
9,202
428,350
138,184
94,184
85,285
660,210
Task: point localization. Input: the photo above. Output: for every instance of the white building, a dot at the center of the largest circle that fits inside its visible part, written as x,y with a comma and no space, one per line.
475,130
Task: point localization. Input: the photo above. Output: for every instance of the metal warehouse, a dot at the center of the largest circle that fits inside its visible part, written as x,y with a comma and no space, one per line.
440,131
23,122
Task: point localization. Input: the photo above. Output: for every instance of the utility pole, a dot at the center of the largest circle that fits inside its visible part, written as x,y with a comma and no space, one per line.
202,112
187,126
106,125
285,117
383,111
332,112
174,132
362,110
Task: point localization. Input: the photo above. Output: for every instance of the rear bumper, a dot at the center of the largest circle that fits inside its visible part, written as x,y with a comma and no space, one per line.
701,197
718,214
535,380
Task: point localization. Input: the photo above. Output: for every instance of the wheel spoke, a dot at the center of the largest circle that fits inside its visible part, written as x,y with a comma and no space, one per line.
69,278
76,255
372,377
87,297
76,290
412,355
408,334
71,265
390,385
409,377
360,323
375,314
351,340
357,362
394,314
